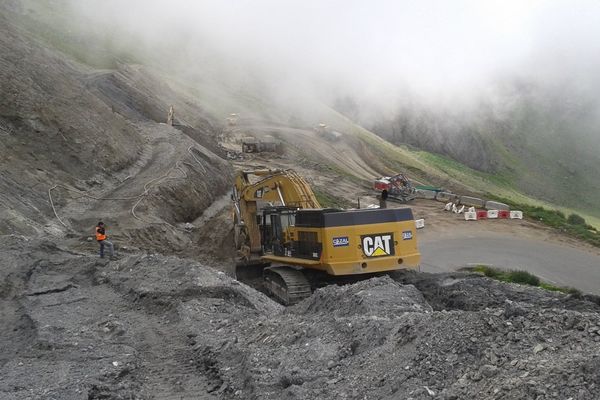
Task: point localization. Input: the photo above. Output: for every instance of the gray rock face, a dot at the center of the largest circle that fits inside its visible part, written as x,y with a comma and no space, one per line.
495,205
446,197
151,326
471,201
425,194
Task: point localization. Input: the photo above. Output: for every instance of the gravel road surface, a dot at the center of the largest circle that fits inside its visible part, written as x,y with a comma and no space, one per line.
551,261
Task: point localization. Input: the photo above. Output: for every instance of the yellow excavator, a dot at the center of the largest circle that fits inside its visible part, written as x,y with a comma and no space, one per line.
287,240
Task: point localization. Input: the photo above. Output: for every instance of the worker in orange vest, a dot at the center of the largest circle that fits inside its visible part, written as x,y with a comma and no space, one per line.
101,238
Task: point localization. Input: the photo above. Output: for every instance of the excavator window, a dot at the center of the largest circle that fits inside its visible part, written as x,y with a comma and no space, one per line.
287,219
275,223
261,192
271,232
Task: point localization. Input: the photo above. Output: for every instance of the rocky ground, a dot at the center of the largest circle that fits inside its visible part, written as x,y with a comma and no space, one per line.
166,320
150,326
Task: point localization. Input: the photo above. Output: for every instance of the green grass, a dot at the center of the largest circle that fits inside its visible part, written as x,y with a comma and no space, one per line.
434,168
519,276
574,225
330,201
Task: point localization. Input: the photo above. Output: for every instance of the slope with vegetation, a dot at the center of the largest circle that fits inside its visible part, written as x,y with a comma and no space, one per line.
539,138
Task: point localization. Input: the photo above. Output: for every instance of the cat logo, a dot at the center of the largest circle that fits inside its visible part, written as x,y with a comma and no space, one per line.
378,245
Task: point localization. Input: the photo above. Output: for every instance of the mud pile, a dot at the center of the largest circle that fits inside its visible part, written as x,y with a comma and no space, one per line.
150,326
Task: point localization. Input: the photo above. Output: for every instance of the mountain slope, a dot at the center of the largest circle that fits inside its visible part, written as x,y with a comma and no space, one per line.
540,139
131,100
81,144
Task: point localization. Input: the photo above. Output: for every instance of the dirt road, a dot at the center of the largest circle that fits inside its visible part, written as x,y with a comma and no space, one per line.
448,242
554,262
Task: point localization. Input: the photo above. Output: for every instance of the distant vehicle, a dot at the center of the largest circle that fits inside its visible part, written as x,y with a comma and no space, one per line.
328,133
399,187
268,143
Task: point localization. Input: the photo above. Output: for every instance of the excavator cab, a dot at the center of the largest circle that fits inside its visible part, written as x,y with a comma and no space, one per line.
275,221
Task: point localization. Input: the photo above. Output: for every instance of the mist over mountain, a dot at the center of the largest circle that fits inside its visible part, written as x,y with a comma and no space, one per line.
507,88
543,139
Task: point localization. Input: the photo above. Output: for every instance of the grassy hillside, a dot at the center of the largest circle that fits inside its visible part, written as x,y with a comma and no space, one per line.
539,140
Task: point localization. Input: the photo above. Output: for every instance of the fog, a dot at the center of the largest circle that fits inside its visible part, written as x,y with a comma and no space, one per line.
376,51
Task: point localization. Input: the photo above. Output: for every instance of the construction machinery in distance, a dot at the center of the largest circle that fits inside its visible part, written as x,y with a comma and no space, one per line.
399,188
287,240
327,133
268,143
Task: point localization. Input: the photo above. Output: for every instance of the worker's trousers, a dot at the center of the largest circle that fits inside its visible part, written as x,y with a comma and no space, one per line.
108,244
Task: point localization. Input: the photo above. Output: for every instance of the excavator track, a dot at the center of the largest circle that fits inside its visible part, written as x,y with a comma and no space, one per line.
287,284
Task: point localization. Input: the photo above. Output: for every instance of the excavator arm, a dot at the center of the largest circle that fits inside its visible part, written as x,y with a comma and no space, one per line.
282,186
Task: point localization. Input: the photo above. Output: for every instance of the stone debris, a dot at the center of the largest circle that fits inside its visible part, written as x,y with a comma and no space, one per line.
152,326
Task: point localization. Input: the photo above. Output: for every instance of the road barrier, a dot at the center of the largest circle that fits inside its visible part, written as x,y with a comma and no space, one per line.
471,201
495,205
420,223
492,214
516,214
470,216
481,214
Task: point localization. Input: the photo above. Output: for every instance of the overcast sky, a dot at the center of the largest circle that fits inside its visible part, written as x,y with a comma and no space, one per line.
373,46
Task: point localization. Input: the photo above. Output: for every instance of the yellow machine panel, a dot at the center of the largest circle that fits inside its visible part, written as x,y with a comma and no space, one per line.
350,242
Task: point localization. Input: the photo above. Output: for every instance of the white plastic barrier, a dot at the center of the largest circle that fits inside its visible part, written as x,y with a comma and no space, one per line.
492,214
516,214
471,209
470,216
461,210
454,209
448,206
420,223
